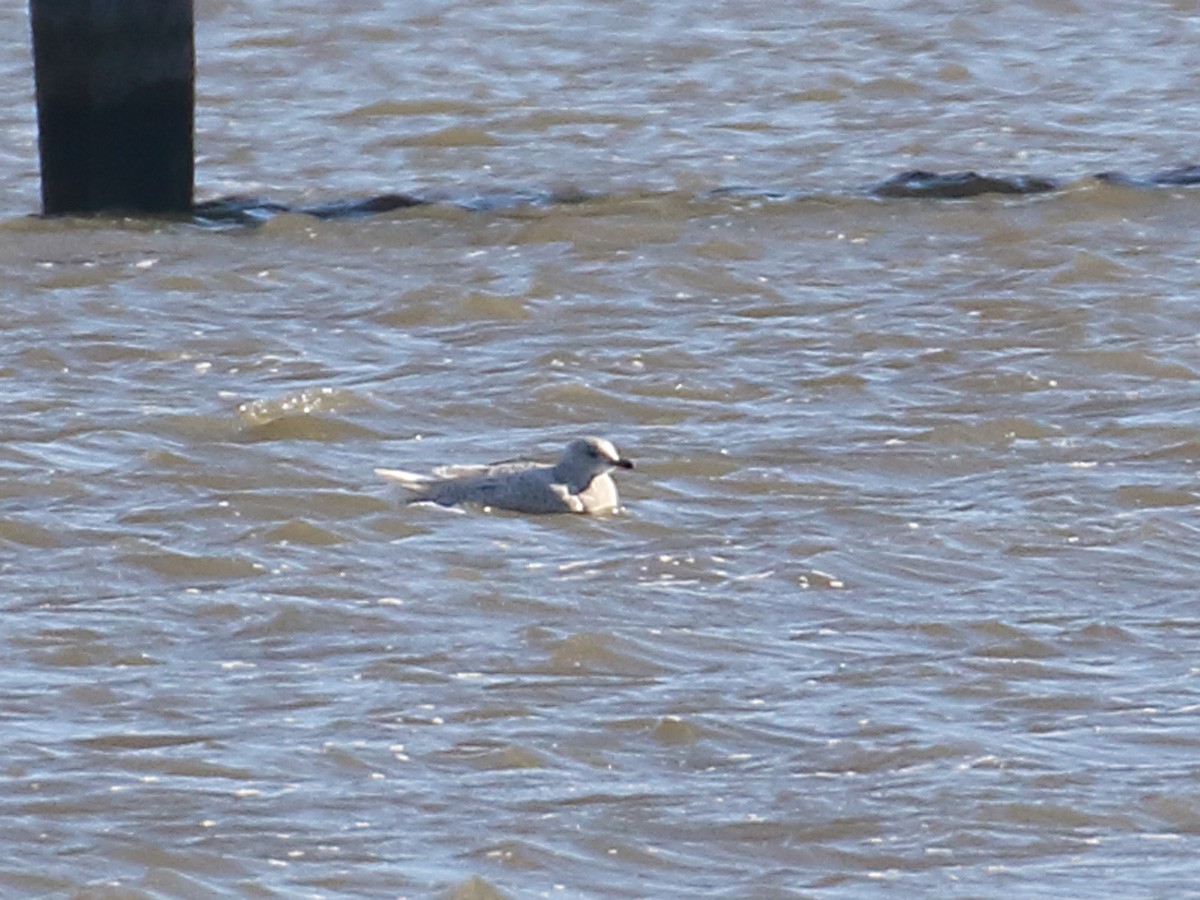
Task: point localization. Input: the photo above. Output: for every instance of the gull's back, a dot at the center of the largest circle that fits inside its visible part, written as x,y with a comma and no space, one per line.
521,486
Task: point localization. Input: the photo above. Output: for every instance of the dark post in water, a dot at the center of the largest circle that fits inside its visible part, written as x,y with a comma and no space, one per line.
115,95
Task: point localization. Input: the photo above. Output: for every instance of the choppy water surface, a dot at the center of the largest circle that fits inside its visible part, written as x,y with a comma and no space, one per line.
904,595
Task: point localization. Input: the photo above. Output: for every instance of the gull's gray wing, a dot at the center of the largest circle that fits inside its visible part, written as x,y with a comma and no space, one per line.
485,470
526,488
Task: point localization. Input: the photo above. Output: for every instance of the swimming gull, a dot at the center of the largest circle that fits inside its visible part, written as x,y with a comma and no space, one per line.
578,483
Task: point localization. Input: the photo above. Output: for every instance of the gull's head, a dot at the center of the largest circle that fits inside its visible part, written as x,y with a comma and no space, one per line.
591,456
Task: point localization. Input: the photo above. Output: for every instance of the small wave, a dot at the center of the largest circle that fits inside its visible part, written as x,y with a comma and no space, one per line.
915,184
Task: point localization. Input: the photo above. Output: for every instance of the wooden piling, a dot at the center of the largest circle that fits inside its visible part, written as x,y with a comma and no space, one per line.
115,97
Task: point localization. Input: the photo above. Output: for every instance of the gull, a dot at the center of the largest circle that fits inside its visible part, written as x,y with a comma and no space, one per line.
578,483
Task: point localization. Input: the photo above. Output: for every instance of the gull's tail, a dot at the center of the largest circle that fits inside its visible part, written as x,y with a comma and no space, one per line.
410,481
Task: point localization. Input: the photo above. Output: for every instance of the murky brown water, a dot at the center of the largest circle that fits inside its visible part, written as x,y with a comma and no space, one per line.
904,596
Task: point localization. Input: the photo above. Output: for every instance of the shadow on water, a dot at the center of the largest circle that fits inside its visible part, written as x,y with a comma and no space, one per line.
917,184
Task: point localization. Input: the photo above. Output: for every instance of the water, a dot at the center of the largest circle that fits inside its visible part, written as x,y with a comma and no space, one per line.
903,599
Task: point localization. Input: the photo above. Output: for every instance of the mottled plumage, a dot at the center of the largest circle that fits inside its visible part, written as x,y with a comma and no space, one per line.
578,483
